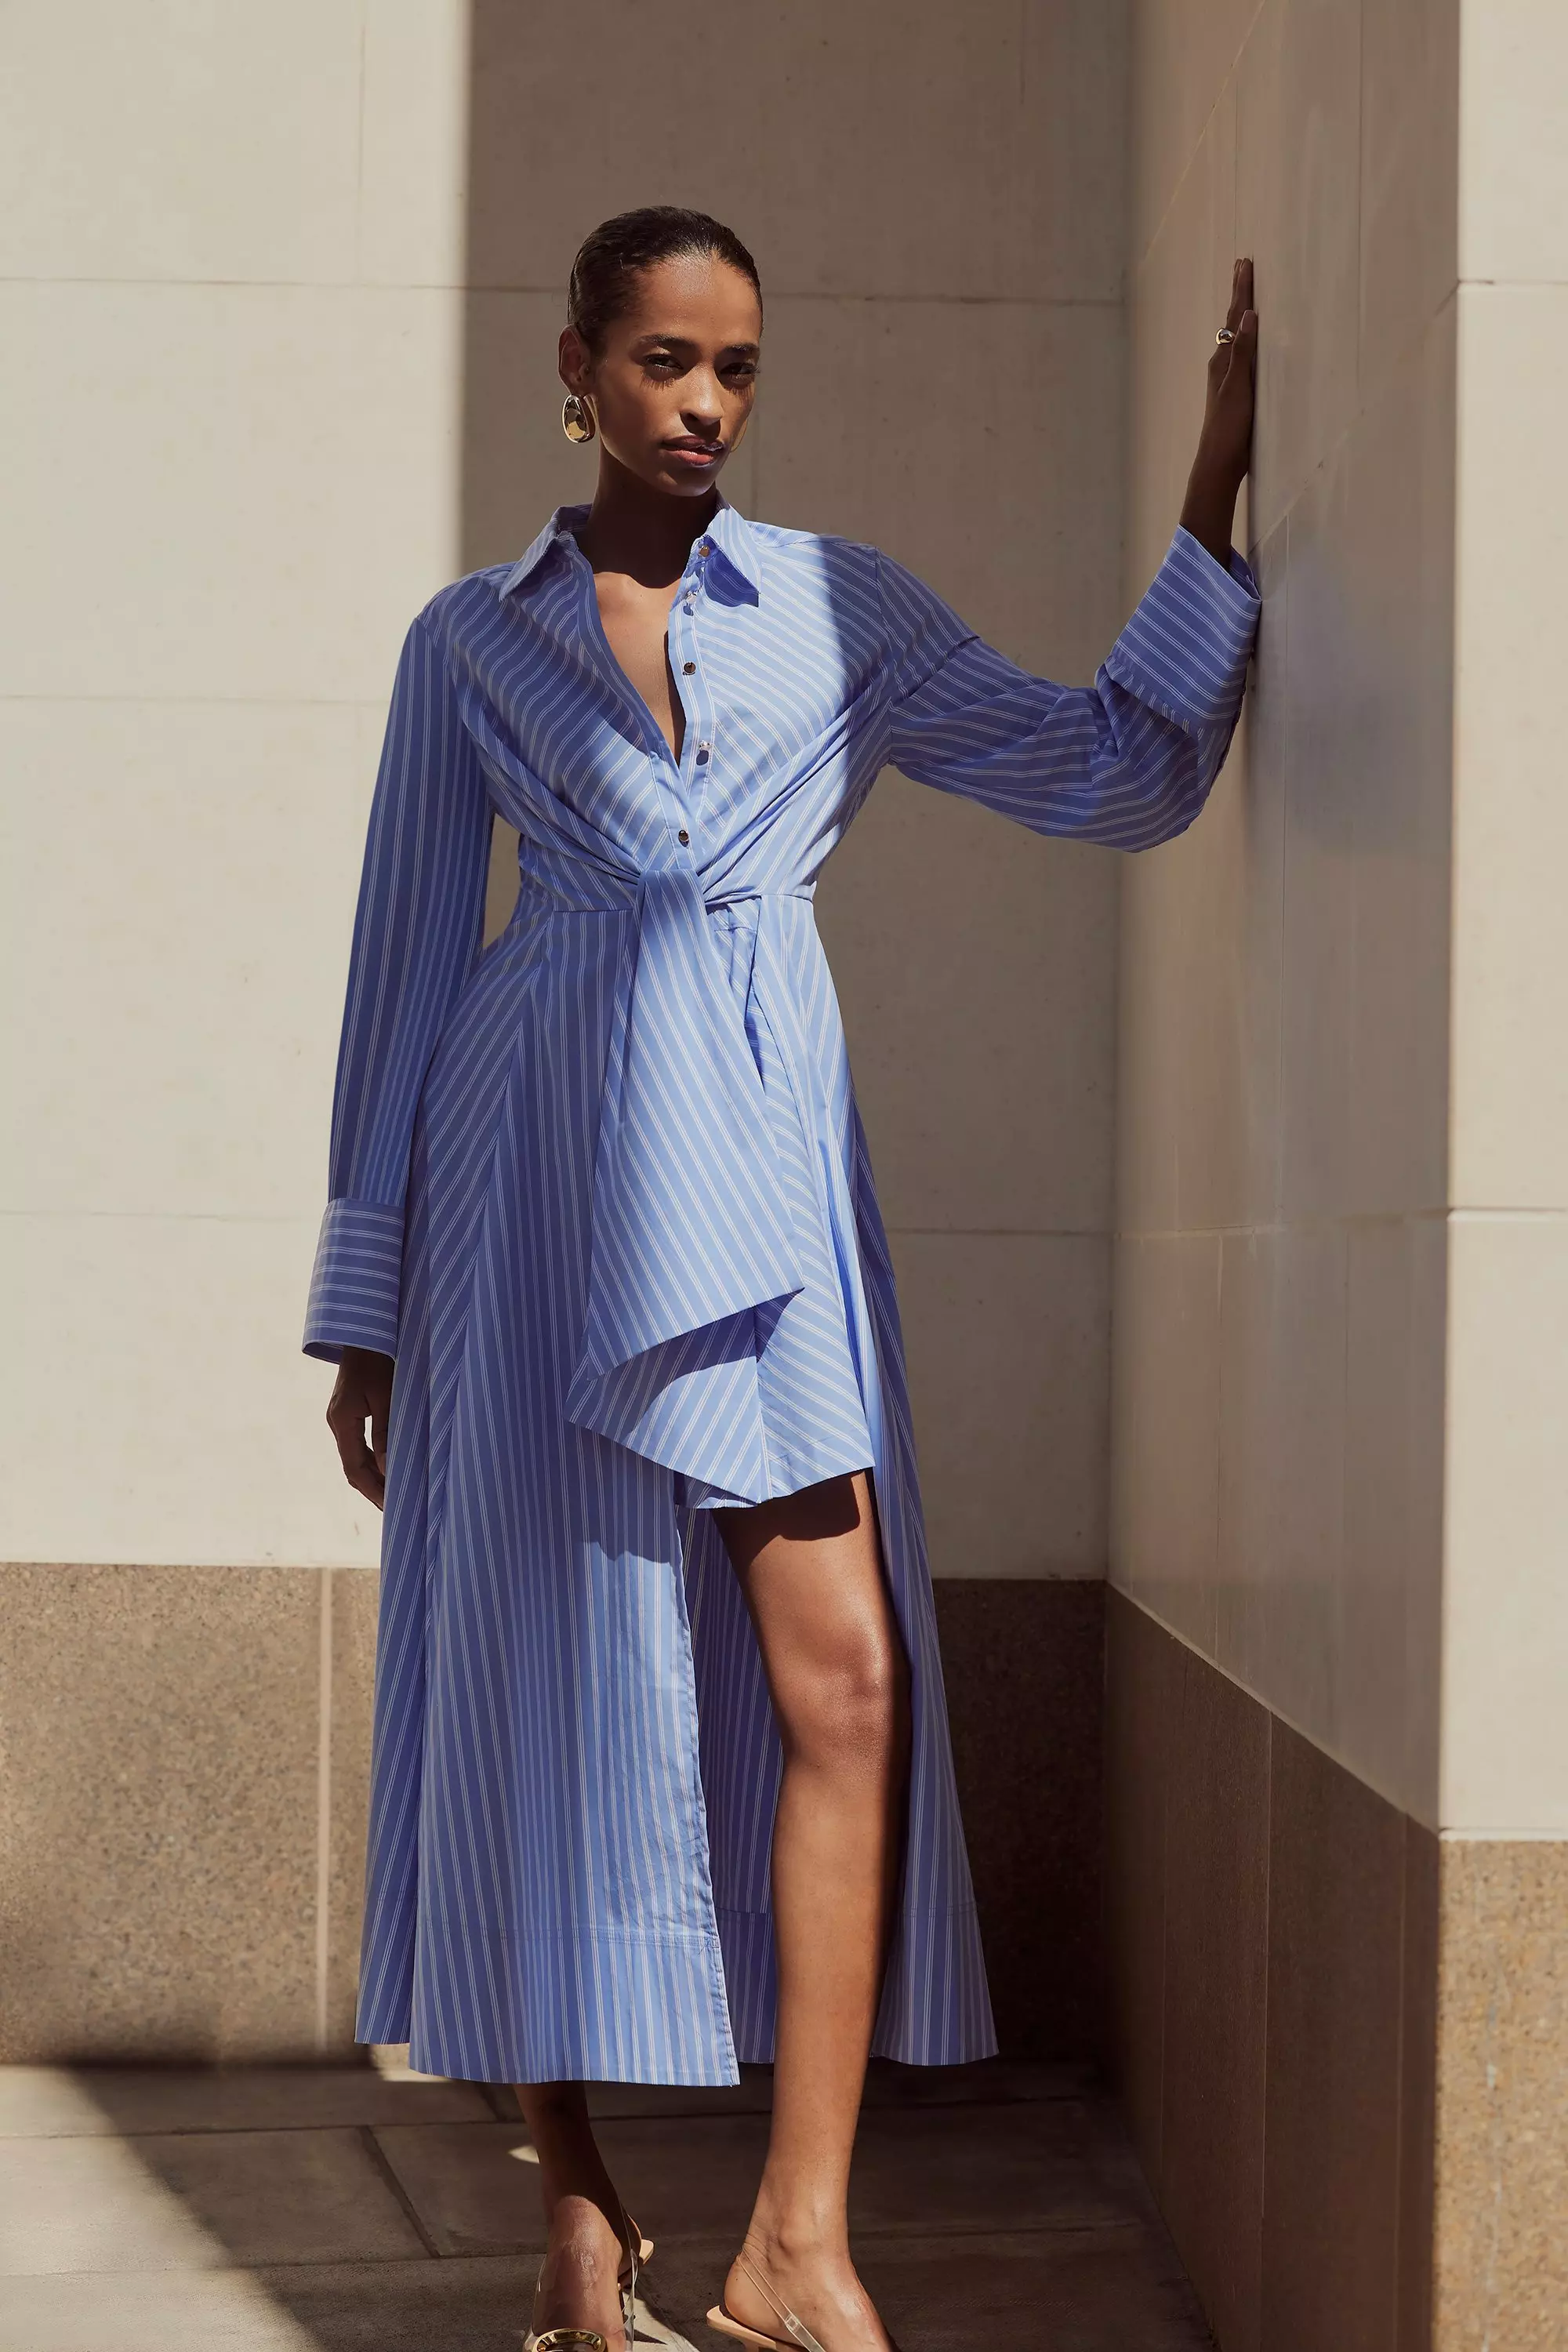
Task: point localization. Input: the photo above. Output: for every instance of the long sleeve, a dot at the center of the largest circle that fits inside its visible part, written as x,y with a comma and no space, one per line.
1128,761
417,933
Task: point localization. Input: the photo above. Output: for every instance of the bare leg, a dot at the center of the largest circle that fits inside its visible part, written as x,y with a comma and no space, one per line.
810,1568
582,2213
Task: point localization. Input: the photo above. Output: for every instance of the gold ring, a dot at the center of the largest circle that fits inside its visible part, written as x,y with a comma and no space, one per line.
1226,335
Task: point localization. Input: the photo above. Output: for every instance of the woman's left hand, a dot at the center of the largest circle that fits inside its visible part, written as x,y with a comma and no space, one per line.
1224,443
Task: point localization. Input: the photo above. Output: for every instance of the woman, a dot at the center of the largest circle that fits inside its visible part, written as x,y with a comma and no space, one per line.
661,1772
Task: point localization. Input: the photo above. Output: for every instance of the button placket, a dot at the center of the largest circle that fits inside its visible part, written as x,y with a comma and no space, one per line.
696,749
683,664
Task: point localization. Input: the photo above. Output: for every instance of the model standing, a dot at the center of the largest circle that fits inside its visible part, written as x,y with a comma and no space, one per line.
661,1776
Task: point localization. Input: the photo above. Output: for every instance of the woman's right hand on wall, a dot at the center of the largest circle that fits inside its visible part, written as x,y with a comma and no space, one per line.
1224,443
362,1392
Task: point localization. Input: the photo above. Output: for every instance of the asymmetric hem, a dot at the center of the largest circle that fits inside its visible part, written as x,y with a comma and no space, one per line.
603,1193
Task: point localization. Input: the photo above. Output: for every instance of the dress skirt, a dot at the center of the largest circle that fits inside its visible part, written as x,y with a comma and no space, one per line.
575,1762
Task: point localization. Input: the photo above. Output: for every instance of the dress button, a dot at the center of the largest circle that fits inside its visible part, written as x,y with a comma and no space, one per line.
688,669
703,752
683,837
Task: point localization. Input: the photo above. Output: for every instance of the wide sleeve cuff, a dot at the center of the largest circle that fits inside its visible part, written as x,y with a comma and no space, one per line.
1186,649
357,1279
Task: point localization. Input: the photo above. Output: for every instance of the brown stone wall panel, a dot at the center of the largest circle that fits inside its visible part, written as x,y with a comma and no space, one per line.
1024,1666
1417,2090
1217,1934
1144,1668
1502,2097
355,1595
1333,2126
158,1812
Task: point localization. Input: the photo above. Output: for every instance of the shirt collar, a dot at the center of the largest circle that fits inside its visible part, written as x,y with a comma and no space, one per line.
729,531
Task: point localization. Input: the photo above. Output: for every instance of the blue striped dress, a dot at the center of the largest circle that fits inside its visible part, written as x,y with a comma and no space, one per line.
602,1191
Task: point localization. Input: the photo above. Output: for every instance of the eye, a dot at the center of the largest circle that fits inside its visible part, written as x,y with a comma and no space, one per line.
665,362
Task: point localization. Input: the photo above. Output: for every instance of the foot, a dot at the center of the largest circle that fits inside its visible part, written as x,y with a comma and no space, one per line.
817,2283
578,2284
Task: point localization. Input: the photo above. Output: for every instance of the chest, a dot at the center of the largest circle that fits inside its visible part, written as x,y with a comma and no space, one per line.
636,623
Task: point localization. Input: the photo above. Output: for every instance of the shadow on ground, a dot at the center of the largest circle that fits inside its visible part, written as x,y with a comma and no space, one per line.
279,2209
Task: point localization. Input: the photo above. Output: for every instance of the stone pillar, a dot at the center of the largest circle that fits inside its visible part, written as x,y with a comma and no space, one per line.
1337,1767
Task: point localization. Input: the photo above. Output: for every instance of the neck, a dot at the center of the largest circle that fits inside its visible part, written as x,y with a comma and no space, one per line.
644,532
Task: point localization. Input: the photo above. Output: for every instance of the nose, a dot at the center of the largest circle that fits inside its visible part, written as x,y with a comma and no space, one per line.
701,408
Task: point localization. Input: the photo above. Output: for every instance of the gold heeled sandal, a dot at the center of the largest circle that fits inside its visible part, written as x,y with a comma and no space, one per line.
796,2331
590,2339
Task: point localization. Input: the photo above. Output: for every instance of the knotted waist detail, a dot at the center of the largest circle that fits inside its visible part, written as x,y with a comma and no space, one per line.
690,1222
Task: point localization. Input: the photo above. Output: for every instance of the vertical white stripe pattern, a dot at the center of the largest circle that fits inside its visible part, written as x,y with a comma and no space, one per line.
603,1193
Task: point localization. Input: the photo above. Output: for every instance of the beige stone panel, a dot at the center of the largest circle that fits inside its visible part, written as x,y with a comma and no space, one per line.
156,1406
1503,2120
1513,153
179,141
1182,62
1179,294
1150,1078
975,968
1282,1471
1409,174
1216,1009
1510,1121
1391,1597
973,152
233,492
1505,1624
158,1816
1298,178
414,142
177,885
1369,753
1165,1488
980,443
1394,713
1005,1335
1320,885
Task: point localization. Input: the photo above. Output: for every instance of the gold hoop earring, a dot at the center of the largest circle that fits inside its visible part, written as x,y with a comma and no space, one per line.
577,419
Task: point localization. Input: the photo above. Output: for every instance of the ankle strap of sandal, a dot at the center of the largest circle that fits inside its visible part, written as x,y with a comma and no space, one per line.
787,2319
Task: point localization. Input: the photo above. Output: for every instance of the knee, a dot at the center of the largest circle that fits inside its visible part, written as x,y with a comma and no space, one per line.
848,1710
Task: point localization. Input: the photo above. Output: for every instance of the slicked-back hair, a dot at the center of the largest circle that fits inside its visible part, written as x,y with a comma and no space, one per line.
611,258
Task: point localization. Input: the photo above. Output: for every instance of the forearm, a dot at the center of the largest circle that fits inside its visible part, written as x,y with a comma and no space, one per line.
1209,511
1225,445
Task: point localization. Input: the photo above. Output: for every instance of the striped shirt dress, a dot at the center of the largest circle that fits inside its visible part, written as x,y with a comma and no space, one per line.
601,1188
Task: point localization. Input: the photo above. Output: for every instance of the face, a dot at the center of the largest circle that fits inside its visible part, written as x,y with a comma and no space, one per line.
673,385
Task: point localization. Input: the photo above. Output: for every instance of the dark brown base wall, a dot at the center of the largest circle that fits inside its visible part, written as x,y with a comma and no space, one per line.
1271,1971
1025,1668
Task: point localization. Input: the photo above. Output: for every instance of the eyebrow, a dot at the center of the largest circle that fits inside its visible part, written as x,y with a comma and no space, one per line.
689,342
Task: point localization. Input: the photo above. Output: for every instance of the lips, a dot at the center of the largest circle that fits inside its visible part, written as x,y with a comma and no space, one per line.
700,453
